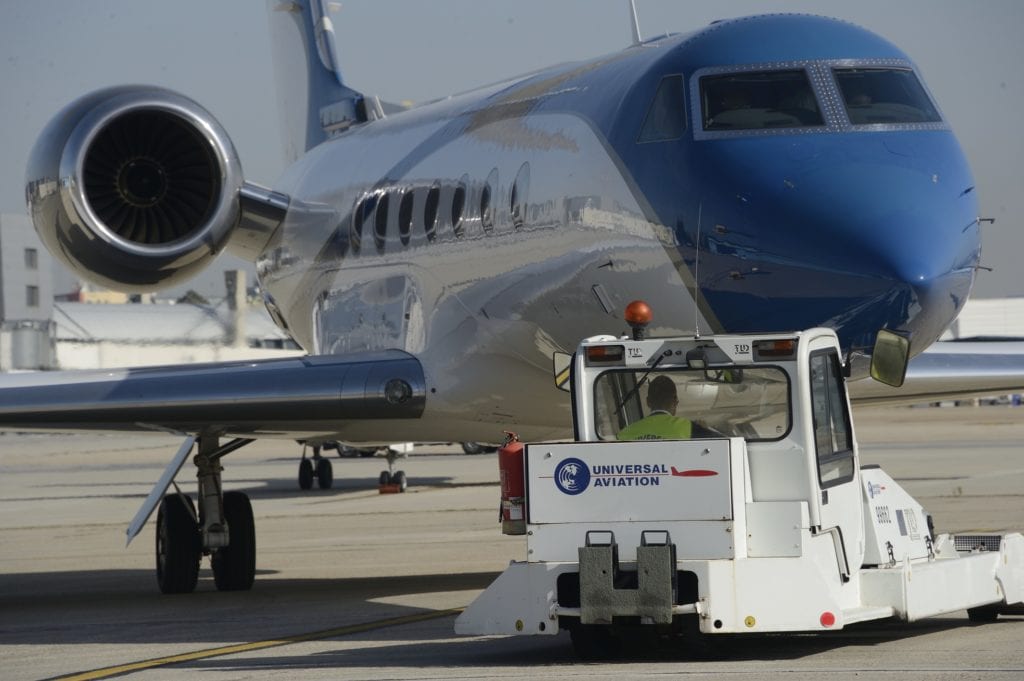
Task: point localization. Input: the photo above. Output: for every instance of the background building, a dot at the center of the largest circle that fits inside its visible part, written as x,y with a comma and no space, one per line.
90,328
989,318
26,297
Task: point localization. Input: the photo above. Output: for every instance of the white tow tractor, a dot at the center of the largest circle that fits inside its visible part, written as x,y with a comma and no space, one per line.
762,521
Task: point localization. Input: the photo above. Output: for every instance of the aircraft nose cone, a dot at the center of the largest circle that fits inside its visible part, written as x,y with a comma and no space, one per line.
916,238
853,235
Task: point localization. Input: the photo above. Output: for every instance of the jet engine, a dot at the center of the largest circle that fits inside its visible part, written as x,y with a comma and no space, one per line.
134,188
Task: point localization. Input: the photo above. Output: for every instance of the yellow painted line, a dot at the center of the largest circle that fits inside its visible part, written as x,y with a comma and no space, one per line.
562,378
107,672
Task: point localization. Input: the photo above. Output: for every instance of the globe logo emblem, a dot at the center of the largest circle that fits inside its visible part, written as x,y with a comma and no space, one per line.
572,476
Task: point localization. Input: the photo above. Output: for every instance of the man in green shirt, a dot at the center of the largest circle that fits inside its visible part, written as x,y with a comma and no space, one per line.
661,423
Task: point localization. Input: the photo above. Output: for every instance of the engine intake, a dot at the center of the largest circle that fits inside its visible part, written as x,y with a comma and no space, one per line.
134,188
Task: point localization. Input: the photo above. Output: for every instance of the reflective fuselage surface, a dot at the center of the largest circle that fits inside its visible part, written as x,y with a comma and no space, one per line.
763,174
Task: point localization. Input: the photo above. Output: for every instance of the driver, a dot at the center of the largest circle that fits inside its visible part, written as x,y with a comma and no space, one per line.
661,423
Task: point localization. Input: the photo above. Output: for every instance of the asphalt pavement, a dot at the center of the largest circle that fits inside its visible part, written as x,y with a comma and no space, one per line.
353,584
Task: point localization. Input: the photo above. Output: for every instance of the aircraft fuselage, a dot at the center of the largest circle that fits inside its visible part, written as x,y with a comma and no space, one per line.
482,232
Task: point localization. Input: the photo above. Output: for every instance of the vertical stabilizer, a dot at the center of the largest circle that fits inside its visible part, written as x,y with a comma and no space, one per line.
635,22
319,105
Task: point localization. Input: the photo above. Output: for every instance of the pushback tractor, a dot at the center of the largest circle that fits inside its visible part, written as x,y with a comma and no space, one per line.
757,518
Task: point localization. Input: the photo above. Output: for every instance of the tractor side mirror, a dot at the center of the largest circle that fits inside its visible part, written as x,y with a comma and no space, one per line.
890,357
561,368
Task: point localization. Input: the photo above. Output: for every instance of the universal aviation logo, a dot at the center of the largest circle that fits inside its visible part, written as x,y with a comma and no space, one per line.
572,476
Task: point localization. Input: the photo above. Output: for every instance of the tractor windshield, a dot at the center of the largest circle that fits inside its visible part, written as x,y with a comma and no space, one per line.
750,402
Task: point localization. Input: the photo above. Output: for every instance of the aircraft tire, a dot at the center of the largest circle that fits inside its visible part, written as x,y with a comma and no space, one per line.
399,479
178,546
234,566
384,479
305,474
324,473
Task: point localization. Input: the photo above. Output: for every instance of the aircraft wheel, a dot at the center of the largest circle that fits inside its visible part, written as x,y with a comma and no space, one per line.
234,566
385,478
472,448
324,473
594,642
178,546
399,479
305,474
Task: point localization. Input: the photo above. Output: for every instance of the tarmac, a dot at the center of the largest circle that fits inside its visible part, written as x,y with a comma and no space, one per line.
353,584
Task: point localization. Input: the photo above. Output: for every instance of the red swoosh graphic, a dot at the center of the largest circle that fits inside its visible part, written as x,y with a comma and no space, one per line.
694,473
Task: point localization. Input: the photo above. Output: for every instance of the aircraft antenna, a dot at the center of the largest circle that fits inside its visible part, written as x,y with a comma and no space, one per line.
636,23
696,275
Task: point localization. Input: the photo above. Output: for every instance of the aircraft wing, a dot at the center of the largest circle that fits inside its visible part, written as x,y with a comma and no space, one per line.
293,398
951,370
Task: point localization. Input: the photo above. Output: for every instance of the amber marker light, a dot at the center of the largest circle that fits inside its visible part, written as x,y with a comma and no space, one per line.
605,354
777,349
638,315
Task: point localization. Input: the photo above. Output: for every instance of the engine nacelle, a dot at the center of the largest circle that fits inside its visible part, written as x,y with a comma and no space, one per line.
134,188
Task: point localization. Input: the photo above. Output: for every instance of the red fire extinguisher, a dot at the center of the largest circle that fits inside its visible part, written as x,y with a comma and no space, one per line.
511,466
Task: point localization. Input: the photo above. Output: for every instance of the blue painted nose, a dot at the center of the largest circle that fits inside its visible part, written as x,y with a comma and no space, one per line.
855,231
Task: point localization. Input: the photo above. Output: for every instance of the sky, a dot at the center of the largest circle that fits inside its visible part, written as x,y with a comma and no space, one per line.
218,53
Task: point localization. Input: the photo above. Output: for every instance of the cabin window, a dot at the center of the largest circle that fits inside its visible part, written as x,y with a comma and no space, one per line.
430,207
458,205
877,96
758,100
833,436
380,221
360,216
486,217
666,117
405,216
486,204
518,198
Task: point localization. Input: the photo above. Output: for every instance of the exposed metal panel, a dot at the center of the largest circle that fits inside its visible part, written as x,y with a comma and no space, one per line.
776,528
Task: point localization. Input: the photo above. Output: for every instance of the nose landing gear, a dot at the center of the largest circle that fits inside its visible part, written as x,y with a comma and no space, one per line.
392,481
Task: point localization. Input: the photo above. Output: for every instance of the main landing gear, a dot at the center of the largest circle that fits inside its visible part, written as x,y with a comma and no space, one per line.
318,467
222,529
392,481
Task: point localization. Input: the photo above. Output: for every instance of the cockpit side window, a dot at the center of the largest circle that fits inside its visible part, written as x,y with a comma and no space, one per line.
759,99
884,96
666,117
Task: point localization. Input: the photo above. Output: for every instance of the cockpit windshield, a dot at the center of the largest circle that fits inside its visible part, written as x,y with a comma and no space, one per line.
750,402
884,96
756,100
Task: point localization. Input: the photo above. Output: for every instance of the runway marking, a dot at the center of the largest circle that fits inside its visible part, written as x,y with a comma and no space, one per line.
108,672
